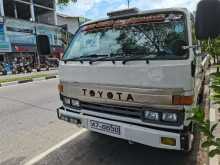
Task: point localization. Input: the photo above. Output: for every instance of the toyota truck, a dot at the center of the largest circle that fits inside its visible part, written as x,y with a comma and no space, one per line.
134,75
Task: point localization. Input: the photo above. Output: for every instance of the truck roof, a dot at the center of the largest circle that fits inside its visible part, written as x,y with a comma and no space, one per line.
144,12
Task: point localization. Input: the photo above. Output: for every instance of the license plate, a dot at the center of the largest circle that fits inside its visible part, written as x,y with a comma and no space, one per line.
105,127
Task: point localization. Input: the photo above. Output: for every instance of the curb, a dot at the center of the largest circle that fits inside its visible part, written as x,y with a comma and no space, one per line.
50,77
213,120
25,81
28,81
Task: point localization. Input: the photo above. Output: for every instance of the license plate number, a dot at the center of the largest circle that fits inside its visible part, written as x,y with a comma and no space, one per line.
105,127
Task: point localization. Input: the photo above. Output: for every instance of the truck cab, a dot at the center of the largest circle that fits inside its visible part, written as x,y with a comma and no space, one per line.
134,75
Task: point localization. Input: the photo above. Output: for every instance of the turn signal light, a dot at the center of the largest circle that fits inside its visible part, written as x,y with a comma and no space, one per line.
183,100
168,141
60,88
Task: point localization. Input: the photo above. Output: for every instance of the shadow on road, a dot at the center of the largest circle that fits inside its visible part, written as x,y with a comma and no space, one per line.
96,149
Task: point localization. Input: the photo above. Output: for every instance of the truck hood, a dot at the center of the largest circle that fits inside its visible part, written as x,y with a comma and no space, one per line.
172,74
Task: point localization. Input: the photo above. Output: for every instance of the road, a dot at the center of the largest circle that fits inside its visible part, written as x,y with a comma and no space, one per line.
28,122
29,127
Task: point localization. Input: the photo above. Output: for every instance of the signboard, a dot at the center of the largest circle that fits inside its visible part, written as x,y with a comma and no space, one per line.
22,34
23,48
20,24
2,32
46,30
20,31
53,33
21,38
4,45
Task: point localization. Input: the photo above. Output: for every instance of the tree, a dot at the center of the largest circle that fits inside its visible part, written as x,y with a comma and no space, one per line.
207,129
212,47
65,2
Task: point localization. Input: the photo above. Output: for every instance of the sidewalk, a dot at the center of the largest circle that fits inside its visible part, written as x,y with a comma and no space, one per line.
27,77
214,117
50,72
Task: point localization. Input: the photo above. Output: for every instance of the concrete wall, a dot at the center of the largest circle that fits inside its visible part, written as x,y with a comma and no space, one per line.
47,18
72,23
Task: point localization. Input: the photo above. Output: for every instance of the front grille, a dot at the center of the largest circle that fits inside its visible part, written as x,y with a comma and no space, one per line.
124,111
129,111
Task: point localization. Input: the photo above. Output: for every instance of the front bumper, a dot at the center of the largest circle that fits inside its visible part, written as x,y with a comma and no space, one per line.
131,132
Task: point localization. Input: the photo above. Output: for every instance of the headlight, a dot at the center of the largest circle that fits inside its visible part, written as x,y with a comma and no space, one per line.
71,102
66,100
151,115
169,117
75,103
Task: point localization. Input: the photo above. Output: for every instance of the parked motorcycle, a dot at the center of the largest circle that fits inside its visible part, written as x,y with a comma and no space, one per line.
5,68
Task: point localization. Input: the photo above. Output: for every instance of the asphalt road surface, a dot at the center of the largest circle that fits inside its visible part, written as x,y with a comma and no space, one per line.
29,127
28,122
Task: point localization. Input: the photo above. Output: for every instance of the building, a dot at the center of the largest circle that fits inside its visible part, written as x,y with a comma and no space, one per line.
70,23
40,11
25,25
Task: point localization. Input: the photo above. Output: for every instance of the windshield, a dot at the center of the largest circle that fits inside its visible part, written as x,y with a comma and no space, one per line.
155,40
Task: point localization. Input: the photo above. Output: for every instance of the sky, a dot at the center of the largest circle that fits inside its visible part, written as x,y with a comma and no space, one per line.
95,9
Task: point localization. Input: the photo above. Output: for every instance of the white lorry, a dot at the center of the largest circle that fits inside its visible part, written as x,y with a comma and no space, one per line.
135,76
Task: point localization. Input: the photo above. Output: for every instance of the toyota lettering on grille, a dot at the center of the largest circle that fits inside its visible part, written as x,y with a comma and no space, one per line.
108,95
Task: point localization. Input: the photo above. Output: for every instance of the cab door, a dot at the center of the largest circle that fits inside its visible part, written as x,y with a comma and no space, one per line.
197,65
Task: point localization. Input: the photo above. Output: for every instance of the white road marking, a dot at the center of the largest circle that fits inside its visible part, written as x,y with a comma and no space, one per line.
57,146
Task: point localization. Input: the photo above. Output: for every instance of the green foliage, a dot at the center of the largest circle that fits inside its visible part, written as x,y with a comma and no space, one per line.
211,46
215,79
207,129
204,125
65,2
25,77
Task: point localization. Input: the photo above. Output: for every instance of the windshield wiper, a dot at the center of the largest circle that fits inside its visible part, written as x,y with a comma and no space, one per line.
130,56
135,57
124,57
98,57
91,58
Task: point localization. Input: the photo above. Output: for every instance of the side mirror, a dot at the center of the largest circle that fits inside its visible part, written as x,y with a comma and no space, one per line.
207,19
196,48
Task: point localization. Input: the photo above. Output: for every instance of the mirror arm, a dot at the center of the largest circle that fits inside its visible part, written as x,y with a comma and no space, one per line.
190,46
